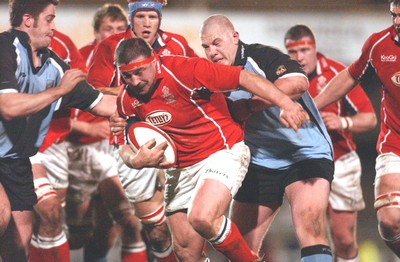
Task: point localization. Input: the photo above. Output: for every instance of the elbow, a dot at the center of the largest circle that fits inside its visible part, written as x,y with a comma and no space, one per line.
7,115
373,121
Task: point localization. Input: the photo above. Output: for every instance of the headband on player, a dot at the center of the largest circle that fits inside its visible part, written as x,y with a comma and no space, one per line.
134,65
300,43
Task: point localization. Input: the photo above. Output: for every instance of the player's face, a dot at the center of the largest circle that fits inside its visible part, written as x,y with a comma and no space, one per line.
304,52
395,12
109,27
220,45
42,28
145,25
141,80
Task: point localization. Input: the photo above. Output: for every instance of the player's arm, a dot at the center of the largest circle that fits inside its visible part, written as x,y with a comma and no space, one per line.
360,122
106,107
292,114
338,87
13,105
148,155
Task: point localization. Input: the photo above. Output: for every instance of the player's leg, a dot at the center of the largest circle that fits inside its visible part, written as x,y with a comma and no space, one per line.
188,244
220,178
16,204
345,200
253,221
50,172
309,211
106,231
133,247
260,198
145,191
387,199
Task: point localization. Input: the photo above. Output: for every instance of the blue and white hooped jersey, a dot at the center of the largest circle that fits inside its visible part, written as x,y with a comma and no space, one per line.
21,137
271,144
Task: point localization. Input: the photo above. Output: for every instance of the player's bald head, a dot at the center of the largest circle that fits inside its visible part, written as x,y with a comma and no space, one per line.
217,21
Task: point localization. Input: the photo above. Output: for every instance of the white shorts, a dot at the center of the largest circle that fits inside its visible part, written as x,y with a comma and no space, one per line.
226,166
90,164
139,184
388,163
346,193
56,161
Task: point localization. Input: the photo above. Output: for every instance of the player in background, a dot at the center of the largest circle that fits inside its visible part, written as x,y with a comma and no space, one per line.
89,141
283,162
212,158
379,53
352,113
34,83
49,241
144,188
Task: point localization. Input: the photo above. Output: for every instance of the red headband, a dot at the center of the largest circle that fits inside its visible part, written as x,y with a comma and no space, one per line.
300,43
134,65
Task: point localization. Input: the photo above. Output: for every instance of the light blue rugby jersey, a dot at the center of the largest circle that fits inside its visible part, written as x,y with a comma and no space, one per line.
271,144
21,137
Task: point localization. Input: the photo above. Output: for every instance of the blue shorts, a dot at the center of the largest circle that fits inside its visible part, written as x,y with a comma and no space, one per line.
17,179
264,185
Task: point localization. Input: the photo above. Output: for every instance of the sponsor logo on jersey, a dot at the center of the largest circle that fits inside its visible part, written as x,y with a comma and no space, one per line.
49,84
388,58
166,52
281,70
136,103
158,118
396,79
167,95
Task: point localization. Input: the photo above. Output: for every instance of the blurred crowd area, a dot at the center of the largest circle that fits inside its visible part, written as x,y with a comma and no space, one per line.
341,28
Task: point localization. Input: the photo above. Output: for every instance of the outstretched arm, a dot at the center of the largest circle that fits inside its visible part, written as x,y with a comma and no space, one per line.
338,87
292,114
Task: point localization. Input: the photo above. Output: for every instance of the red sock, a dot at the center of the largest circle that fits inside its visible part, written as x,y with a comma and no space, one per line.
49,249
134,253
233,246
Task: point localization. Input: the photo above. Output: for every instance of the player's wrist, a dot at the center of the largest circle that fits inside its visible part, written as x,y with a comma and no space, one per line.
346,122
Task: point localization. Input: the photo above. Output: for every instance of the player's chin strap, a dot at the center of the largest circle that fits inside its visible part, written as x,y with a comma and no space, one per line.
391,200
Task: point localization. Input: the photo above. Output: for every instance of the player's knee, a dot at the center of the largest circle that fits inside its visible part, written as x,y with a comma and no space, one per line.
202,224
159,236
51,215
388,215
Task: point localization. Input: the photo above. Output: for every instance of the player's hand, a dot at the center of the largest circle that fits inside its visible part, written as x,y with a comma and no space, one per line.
70,79
100,129
150,155
117,124
332,121
293,115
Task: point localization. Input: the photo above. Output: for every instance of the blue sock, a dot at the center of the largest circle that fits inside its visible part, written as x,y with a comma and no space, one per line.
317,253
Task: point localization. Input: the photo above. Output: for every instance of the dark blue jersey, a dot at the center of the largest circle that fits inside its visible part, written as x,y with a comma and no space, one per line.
21,137
271,144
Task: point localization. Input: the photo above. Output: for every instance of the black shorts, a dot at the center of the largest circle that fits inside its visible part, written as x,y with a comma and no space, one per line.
17,179
264,185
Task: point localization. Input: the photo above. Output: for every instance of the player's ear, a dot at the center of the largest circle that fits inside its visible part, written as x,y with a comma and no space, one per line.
236,37
28,20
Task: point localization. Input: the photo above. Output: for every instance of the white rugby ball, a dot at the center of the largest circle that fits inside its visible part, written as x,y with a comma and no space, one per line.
140,133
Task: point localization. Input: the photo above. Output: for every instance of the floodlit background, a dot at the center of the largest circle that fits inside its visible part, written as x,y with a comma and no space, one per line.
340,26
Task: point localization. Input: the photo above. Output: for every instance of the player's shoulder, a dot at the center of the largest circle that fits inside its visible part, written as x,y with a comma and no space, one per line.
379,36
328,62
169,36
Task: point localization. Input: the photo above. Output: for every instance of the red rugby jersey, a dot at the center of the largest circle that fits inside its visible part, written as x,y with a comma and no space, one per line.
354,102
198,121
382,50
103,73
60,125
